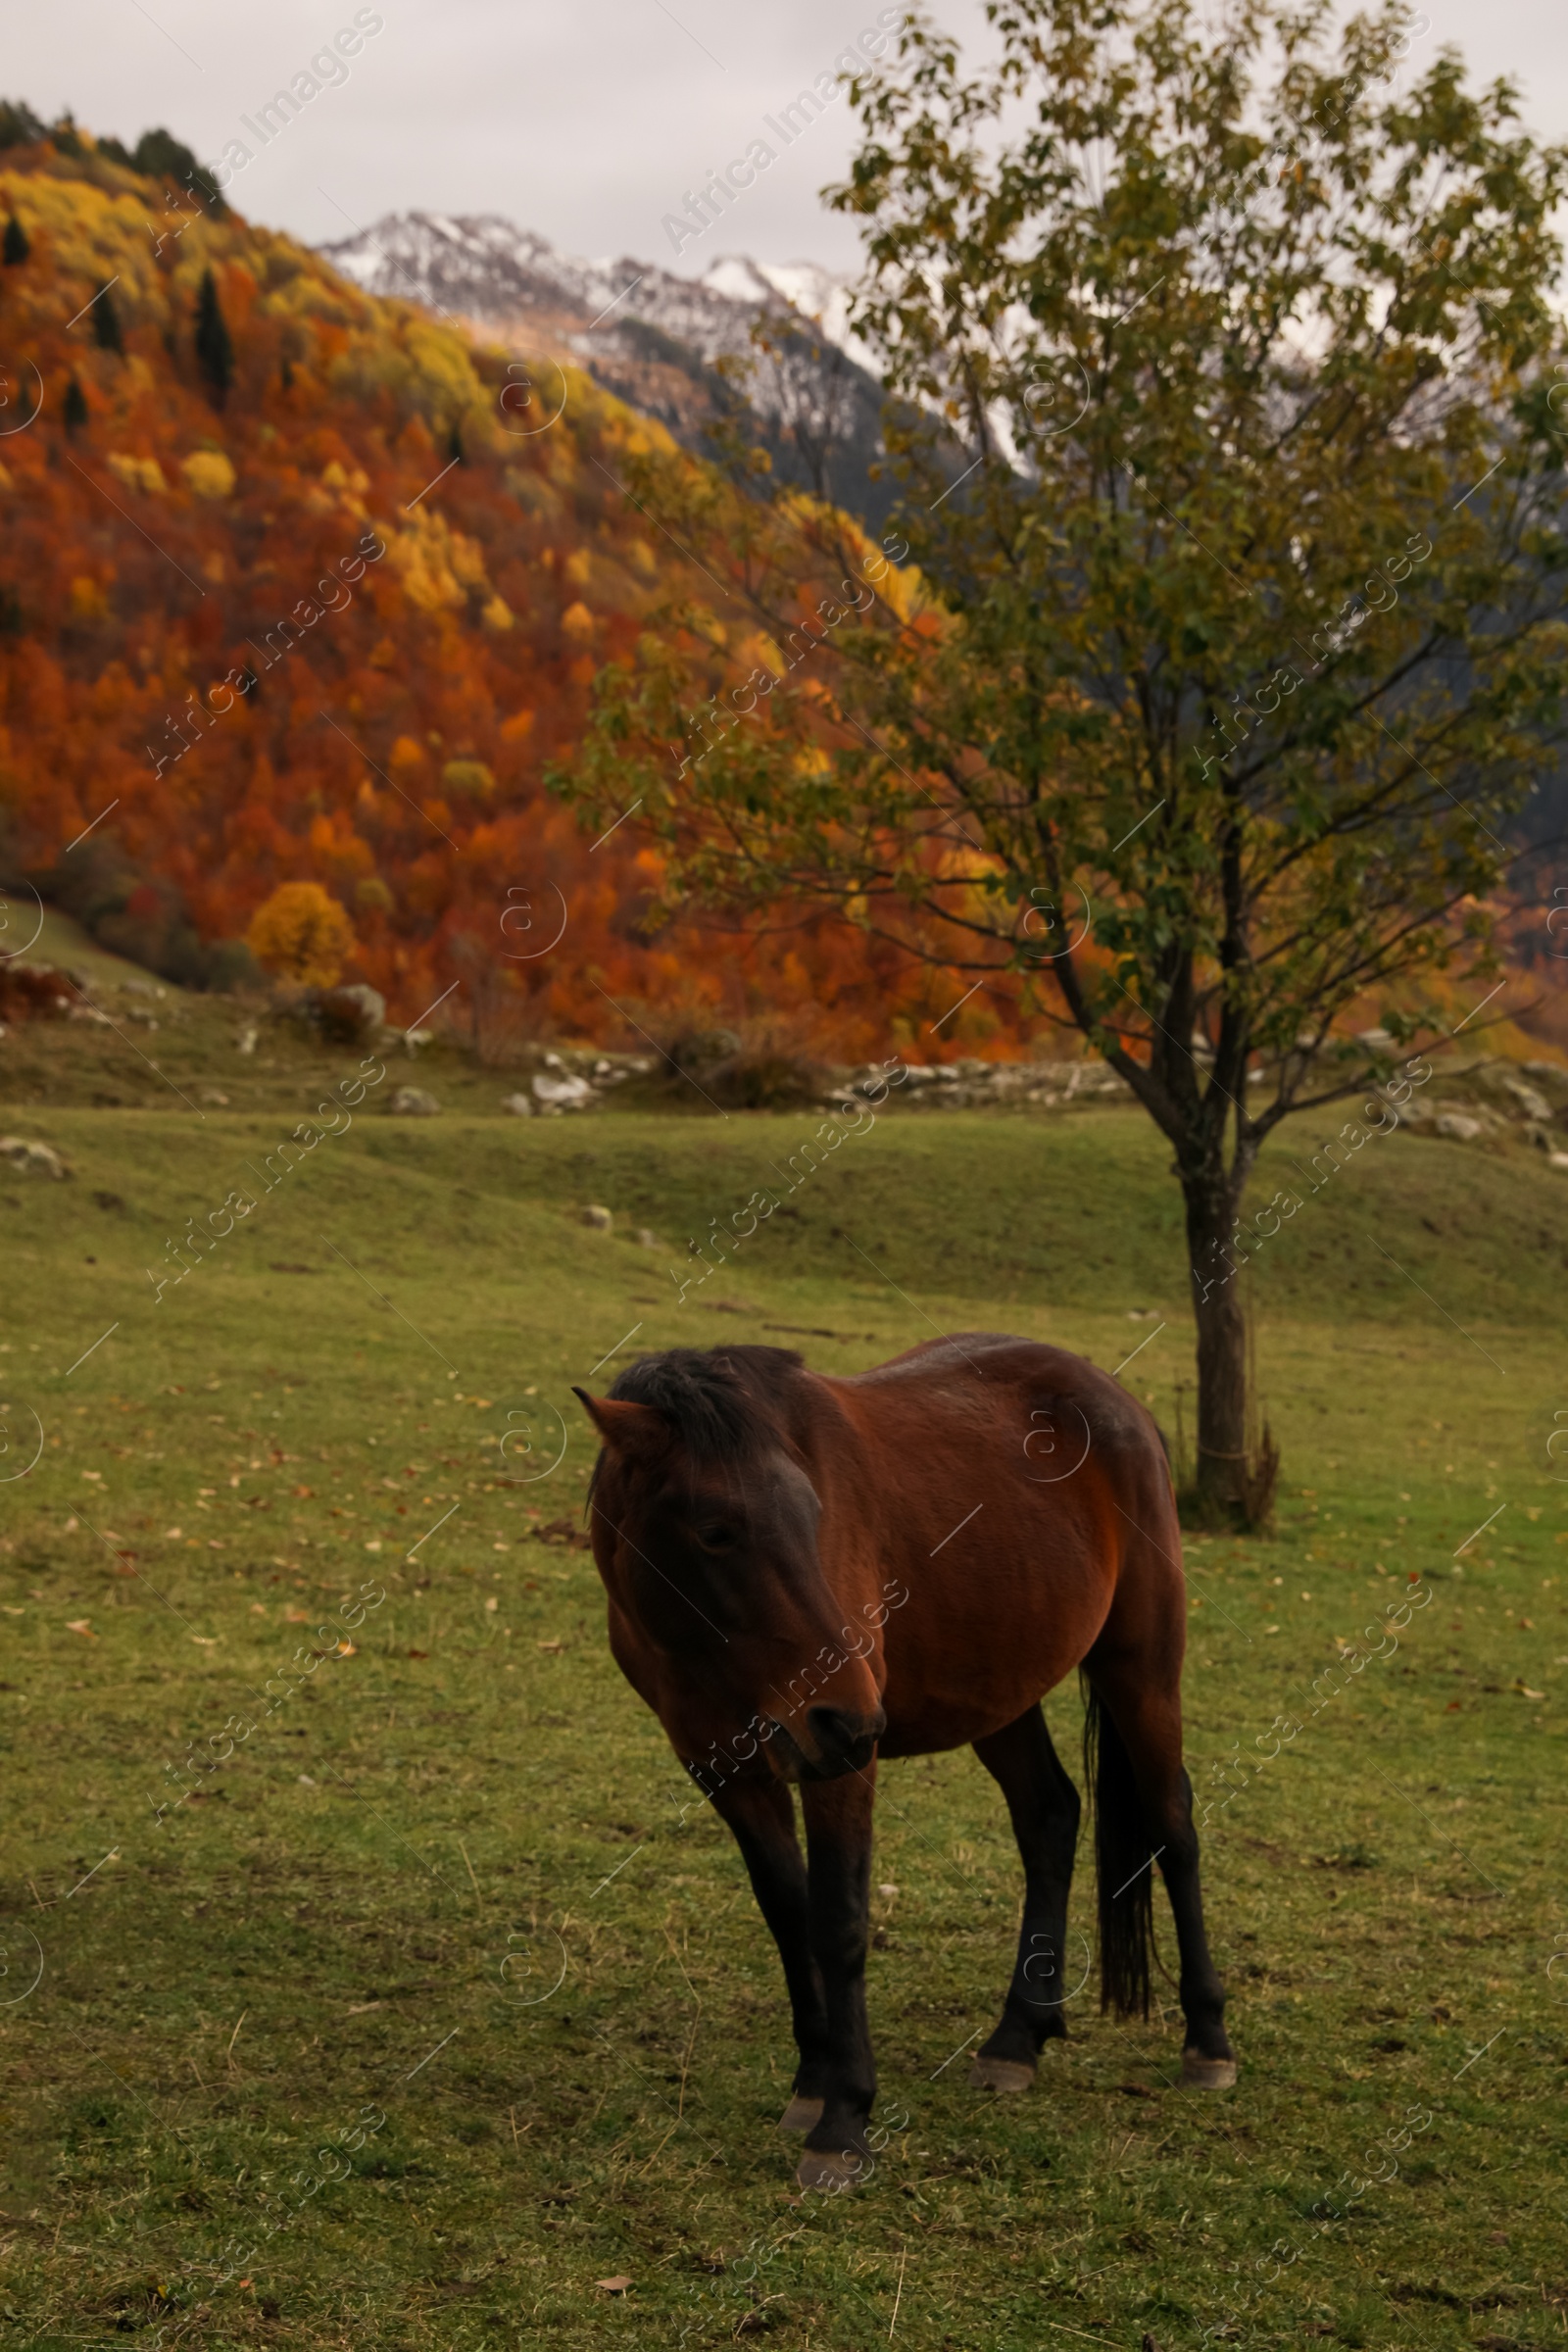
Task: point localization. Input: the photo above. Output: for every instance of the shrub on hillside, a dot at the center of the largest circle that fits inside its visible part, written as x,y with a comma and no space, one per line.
302,934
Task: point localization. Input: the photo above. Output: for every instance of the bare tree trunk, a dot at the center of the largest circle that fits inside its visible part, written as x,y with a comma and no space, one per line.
1221,1482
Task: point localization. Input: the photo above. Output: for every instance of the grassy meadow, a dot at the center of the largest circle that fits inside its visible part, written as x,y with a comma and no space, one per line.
436,2004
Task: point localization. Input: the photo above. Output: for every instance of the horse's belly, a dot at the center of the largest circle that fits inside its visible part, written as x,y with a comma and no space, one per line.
975,1652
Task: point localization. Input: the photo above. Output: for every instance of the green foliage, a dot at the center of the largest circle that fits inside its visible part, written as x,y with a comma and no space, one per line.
20,127
15,247
159,155
75,407
1243,370
215,350
106,327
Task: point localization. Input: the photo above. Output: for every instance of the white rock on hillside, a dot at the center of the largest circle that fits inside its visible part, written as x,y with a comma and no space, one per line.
31,1159
564,1093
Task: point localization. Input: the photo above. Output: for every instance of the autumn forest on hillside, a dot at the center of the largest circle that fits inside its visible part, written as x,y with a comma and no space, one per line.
303,586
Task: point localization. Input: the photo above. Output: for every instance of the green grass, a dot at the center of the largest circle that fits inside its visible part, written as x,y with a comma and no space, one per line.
369,1905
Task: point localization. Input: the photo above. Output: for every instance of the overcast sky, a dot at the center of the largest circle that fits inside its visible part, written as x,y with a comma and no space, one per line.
585,122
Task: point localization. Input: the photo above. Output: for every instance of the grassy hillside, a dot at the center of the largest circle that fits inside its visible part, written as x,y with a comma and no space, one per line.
453,1880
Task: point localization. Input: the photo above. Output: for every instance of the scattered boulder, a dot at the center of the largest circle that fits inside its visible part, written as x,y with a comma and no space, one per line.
413,1102
564,1093
646,1240
31,1159
1457,1127
520,1106
351,1016
601,1219
1530,1098
967,1084
245,1043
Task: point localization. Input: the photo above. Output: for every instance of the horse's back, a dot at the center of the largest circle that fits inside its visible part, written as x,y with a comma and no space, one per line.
1024,1499
1014,1382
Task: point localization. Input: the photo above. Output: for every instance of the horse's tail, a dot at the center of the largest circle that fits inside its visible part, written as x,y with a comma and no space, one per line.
1123,1866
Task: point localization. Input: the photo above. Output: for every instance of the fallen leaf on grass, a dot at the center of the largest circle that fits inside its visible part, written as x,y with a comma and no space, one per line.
80,1625
564,1531
1525,1691
418,1653
552,1646
613,2286
361,2008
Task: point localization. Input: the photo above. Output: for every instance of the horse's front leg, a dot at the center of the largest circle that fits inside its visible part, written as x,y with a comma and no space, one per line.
761,1816
837,1844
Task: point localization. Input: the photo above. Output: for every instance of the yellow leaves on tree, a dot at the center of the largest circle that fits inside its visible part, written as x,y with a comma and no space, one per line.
303,934
209,473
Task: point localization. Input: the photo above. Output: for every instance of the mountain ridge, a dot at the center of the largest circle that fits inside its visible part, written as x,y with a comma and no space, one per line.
683,350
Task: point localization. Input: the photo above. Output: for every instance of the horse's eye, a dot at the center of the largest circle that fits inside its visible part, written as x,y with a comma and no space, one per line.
715,1536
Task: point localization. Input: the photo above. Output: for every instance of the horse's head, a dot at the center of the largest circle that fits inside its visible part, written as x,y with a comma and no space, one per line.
704,1529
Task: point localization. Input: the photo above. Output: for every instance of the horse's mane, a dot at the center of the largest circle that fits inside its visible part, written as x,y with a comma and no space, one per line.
722,1400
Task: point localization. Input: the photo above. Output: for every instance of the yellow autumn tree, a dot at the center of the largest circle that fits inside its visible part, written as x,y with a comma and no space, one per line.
302,934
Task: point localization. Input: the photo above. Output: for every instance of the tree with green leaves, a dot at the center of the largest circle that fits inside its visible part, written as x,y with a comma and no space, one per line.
16,246
75,407
214,348
1242,635
106,327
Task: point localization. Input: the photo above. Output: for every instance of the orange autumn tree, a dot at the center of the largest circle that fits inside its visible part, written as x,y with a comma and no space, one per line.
302,934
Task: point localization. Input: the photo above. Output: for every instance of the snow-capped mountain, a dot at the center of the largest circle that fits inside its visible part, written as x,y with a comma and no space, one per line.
481,267
654,339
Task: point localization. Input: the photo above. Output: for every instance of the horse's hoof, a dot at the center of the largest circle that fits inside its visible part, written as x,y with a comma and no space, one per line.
800,2115
1000,2074
1207,2074
829,2168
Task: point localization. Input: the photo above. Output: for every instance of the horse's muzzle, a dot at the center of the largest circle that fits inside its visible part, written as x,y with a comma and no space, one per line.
842,1741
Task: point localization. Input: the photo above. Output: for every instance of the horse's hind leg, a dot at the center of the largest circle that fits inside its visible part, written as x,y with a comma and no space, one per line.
1044,1805
1143,1801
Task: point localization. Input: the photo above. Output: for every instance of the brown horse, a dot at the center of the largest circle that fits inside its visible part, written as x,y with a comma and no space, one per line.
807,1573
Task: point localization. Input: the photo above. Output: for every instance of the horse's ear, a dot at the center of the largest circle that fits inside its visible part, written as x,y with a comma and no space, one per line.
637,1433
